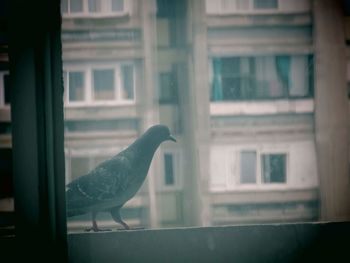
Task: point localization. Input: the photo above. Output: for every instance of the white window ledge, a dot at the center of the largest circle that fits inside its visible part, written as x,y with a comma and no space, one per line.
261,107
271,11
97,15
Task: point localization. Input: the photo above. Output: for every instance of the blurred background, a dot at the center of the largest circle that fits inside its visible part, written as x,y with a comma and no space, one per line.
255,92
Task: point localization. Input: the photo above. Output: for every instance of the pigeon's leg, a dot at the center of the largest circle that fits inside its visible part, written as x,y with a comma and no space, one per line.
94,224
117,218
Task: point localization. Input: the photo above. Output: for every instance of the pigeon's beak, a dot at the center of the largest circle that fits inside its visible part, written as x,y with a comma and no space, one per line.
171,138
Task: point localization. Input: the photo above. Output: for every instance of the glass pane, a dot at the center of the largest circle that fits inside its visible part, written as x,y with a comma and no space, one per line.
128,82
269,85
104,84
228,87
274,168
79,166
168,169
265,4
260,77
248,168
300,76
76,86
95,6
64,6
117,5
231,81
76,6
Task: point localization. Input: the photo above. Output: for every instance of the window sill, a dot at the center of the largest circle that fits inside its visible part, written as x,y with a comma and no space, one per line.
228,108
255,196
111,103
305,242
124,14
92,135
252,12
90,112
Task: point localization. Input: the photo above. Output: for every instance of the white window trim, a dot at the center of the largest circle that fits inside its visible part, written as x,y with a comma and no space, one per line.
221,9
280,106
177,165
259,185
105,13
231,181
2,90
88,81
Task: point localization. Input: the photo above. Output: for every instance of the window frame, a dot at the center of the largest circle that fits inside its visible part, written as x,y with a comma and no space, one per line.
260,185
177,170
288,96
232,169
67,86
284,168
233,8
196,244
89,89
85,13
89,153
37,130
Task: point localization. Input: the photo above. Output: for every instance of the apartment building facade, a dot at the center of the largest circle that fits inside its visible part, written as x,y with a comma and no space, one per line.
237,82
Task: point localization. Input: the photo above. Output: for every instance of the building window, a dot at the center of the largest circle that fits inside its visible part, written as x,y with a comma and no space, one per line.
4,88
261,77
168,89
166,8
239,6
169,169
95,6
128,82
72,6
117,5
170,176
273,168
103,84
248,167
87,7
265,4
91,85
76,86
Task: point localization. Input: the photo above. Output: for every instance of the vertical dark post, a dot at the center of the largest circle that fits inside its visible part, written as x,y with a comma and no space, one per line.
331,110
37,117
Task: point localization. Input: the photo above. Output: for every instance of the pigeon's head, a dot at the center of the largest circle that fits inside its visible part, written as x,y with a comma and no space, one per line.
160,133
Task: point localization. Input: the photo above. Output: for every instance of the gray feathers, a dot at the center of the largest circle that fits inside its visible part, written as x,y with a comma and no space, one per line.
115,181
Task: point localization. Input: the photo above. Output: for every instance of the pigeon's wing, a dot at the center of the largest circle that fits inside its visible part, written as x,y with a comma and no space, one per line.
103,184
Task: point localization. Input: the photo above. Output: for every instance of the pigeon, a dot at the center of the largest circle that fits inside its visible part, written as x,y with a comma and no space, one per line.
115,181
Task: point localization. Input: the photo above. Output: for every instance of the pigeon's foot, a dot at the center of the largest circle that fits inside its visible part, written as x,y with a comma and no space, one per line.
94,225
117,218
